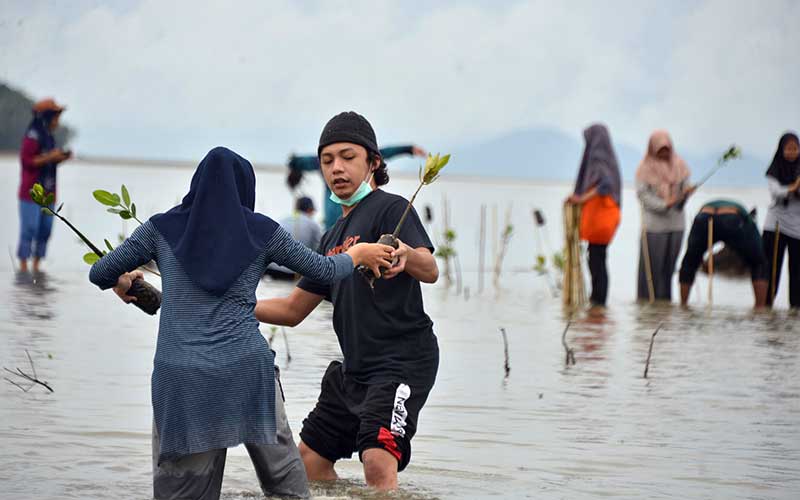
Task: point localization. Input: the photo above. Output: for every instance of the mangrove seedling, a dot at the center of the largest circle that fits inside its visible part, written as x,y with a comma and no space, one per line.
427,175
148,298
505,238
731,153
447,251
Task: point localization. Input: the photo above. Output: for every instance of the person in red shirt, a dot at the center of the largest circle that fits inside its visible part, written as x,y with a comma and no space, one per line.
39,158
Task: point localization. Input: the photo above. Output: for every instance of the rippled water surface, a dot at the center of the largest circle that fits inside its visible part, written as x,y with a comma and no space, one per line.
718,416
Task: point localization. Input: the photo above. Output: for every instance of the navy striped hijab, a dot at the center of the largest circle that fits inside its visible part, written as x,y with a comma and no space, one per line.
214,233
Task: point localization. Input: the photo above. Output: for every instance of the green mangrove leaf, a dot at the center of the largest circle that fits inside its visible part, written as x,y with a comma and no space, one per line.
126,197
58,210
106,198
133,209
50,199
114,210
433,166
90,258
125,215
108,245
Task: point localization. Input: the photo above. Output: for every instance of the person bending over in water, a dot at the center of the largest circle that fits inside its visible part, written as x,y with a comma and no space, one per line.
214,381
371,402
734,226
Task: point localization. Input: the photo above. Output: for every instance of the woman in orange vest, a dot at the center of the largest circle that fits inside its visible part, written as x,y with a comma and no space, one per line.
599,190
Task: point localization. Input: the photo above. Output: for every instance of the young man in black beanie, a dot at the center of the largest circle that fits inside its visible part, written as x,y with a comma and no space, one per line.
370,403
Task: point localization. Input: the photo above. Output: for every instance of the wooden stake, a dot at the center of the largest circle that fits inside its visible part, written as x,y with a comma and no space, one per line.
494,232
648,269
482,248
710,259
775,241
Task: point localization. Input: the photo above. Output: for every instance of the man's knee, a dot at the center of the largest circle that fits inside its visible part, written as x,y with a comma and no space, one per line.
318,468
380,469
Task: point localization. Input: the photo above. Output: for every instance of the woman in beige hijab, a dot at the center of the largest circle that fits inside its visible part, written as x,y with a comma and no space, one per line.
662,185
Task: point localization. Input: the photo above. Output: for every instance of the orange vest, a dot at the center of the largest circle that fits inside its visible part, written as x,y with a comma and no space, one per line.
599,220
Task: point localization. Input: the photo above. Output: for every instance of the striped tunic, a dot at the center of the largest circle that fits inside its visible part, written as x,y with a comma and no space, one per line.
213,383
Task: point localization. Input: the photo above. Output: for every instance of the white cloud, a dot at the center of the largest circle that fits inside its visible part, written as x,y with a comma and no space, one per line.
171,78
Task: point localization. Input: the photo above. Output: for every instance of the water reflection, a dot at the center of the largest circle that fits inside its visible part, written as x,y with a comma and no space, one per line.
33,297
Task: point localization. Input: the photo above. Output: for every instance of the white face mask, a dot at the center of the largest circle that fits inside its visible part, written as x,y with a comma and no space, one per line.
363,190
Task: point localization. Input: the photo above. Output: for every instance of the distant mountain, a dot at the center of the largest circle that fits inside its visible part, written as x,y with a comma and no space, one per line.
15,115
549,154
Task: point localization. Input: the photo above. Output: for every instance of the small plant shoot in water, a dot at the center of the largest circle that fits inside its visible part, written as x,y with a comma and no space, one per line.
427,175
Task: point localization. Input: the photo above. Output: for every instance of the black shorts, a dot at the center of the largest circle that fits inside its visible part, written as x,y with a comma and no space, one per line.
350,416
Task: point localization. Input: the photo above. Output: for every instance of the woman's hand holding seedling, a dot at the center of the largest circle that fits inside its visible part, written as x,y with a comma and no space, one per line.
124,284
371,255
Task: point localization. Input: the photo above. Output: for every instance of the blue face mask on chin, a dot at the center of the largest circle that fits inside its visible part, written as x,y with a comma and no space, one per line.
363,190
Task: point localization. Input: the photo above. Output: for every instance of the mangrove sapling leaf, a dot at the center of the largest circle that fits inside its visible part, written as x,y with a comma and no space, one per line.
90,258
58,210
731,153
108,245
106,198
124,207
541,265
427,175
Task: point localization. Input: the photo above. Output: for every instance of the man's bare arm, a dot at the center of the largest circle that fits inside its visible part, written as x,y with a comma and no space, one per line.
287,311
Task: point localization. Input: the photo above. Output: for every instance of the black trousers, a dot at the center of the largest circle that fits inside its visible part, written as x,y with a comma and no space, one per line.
793,246
597,268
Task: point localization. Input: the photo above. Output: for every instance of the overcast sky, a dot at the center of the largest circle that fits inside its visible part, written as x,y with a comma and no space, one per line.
156,78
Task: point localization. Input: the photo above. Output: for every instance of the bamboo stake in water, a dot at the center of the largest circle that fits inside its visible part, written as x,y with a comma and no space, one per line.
573,274
775,241
482,248
710,260
494,232
650,351
648,269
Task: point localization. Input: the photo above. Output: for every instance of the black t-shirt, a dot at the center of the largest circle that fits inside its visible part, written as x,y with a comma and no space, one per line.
385,334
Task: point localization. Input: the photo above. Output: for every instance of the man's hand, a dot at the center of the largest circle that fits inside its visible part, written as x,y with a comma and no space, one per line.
795,186
418,151
400,256
124,284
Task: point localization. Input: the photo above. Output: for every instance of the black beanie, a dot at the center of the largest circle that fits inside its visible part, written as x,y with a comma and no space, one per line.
349,126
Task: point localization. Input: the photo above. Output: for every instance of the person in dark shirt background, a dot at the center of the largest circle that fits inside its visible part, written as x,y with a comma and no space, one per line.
370,402
39,158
